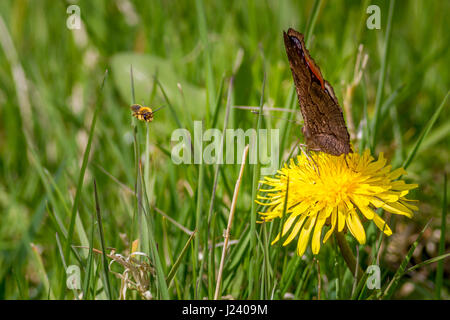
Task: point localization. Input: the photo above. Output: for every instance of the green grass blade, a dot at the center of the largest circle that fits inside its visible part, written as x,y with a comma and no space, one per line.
382,78
440,266
218,103
177,263
102,241
81,180
198,220
390,289
439,258
172,109
312,21
203,29
425,132
216,177
162,284
37,260
133,97
87,279
253,271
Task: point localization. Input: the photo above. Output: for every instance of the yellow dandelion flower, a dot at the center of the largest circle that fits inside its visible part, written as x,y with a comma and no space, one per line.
335,191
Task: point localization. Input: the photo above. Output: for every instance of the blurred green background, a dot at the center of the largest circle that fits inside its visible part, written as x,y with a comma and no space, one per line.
49,86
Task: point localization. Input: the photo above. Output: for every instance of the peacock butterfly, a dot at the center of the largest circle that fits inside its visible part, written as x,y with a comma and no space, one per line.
324,126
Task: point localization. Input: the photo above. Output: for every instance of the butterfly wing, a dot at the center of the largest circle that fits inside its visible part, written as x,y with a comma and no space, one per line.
324,125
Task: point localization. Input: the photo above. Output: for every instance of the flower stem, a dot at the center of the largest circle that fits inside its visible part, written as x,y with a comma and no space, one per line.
348,255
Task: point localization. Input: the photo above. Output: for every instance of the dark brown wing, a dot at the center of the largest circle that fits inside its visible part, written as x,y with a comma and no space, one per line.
324,125
135,107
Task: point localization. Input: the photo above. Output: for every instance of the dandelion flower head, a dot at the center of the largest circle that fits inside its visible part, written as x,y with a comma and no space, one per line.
336,191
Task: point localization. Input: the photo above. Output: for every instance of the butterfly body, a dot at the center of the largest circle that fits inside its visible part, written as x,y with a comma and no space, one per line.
324,126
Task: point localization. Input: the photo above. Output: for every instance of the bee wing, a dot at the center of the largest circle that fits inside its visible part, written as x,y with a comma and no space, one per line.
135,107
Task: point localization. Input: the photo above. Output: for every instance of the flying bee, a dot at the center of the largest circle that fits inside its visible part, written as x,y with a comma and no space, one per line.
143,113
